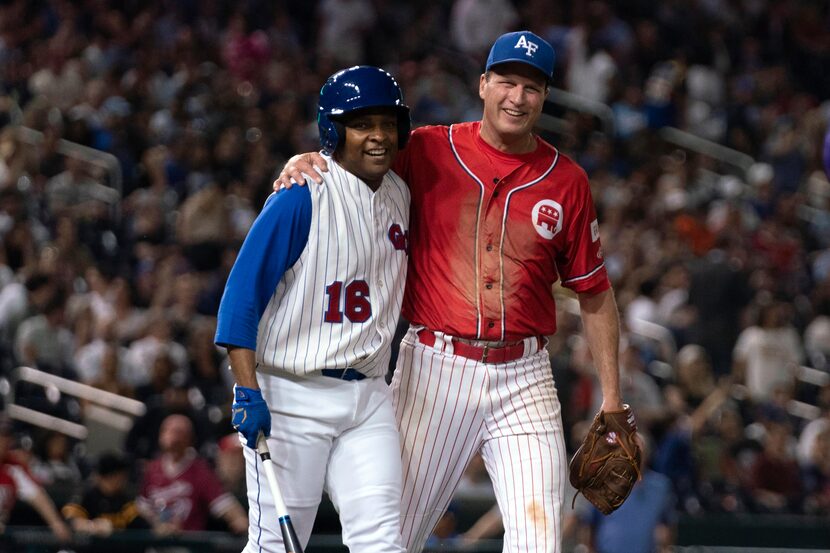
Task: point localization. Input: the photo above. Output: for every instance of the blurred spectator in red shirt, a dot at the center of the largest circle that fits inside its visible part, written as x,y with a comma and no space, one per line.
775,484
17,483
817,476
180,491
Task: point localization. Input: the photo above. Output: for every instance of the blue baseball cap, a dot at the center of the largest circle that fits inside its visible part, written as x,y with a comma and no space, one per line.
523,47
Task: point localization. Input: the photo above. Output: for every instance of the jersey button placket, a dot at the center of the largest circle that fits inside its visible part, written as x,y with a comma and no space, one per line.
378,246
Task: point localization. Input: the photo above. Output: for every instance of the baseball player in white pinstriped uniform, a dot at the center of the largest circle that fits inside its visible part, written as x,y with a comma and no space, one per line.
308,316
498,216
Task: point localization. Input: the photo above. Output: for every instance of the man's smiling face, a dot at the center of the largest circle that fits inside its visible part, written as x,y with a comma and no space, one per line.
513,95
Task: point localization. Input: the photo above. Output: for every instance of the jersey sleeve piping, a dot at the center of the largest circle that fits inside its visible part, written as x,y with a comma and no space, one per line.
585,276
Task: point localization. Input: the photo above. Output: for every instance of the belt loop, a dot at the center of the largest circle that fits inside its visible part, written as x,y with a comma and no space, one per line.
531,344
443,343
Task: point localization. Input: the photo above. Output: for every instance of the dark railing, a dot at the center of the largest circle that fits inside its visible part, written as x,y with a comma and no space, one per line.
704,534
754,532
24,539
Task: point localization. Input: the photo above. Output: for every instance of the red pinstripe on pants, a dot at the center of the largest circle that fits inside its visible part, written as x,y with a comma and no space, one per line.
448,408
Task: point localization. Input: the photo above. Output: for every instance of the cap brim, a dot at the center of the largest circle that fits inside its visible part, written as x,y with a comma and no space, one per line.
523,61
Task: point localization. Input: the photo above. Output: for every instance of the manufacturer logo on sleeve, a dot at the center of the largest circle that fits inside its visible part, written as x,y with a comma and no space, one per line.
594,230
547,218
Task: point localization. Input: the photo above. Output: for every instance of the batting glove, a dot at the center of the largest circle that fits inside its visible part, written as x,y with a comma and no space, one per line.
250,414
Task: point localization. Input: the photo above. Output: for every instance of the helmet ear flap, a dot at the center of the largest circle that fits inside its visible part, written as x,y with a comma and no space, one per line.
332,132
339,130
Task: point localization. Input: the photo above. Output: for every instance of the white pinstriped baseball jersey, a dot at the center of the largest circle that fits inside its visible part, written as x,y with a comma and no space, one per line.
318,284
333,309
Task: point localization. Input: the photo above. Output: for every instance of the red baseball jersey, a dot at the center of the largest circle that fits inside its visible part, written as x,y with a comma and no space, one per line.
184,493
493,232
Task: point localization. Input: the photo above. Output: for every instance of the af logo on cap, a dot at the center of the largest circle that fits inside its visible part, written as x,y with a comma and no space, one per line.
523,47
547,218
531,47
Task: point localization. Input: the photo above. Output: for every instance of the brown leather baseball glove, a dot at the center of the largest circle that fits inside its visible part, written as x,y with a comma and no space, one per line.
607,464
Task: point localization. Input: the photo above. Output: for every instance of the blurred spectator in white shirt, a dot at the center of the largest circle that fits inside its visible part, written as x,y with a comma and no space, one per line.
475,24
768,352
344,25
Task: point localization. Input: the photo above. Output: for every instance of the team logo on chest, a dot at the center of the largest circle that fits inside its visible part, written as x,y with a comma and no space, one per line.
547,218
399,237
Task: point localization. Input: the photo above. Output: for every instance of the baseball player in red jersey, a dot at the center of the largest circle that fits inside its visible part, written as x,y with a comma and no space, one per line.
497,217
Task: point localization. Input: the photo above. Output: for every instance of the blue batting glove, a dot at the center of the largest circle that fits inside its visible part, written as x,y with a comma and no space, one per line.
250,414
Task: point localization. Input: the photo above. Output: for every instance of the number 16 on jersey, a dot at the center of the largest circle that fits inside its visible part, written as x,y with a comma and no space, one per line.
351,300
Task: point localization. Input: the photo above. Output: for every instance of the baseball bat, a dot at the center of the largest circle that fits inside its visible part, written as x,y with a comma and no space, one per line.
289,535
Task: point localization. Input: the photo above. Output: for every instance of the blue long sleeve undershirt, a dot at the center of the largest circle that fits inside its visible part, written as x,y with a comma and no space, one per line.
275,242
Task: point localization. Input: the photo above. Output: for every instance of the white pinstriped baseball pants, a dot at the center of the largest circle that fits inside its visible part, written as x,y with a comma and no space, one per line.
448,408
335,435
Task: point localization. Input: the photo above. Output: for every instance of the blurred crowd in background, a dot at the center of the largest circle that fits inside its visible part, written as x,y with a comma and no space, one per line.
722,276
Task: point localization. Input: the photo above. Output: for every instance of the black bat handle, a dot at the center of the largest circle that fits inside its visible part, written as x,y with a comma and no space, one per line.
289,536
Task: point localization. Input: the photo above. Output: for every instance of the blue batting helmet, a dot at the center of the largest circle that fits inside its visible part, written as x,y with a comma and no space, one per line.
358,87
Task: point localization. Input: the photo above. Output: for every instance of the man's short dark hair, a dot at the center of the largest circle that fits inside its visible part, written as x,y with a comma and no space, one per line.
111,463
36,281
